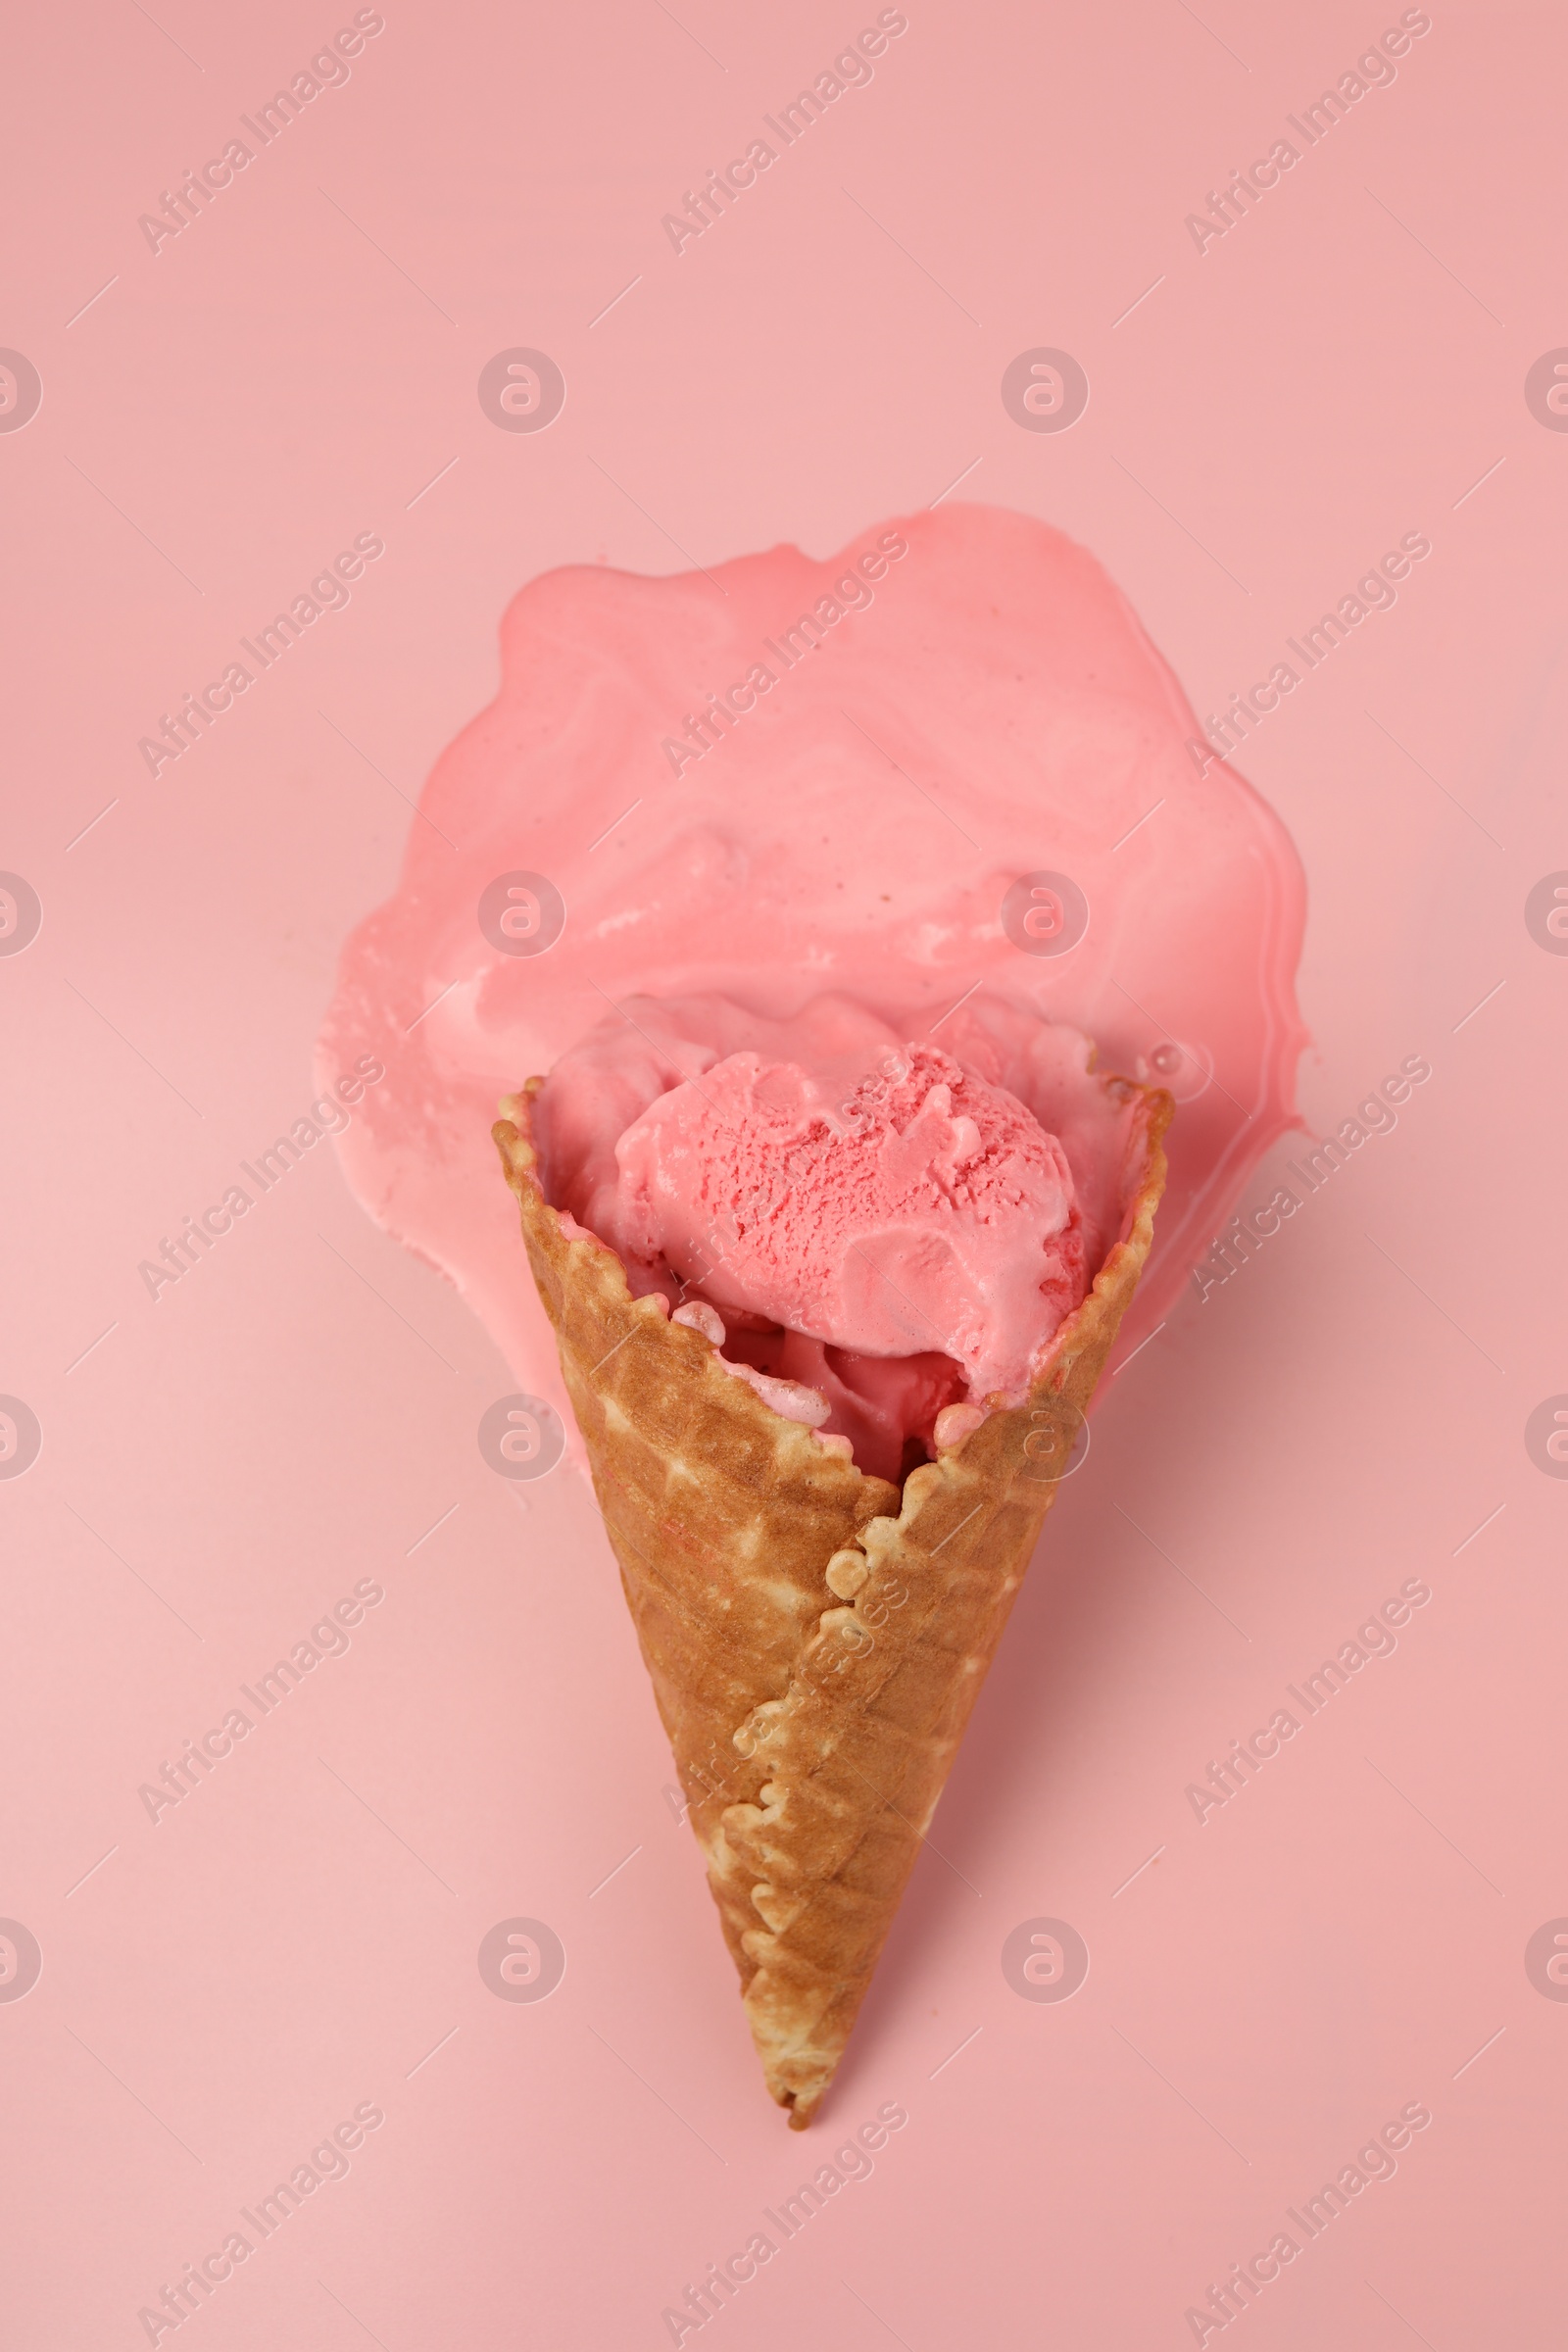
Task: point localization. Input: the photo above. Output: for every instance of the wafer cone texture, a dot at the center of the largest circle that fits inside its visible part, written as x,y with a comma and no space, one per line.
813,1732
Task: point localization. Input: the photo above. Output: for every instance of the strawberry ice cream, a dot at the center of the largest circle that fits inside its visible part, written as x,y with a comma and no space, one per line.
943,769
884,1226
924,1210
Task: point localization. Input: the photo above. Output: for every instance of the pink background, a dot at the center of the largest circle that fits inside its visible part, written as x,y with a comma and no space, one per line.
299,1936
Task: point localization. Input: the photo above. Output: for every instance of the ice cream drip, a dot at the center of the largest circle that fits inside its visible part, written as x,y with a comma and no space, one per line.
942,777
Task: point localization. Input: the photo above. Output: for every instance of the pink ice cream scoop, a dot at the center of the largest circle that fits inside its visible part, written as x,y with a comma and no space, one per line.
921,1211
891,1230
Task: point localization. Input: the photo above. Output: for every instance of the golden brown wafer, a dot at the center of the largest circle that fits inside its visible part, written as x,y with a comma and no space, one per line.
813,1723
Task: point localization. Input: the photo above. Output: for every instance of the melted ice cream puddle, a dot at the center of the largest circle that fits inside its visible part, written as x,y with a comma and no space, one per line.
992,710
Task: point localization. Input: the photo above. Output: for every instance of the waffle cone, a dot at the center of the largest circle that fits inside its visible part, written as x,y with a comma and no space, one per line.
813,1737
